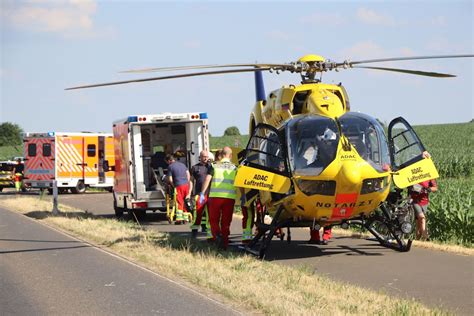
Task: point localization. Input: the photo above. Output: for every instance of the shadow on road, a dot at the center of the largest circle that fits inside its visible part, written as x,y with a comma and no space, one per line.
30,240
43,249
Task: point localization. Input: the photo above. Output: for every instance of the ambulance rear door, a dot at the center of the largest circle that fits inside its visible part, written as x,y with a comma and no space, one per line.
39,160
197,137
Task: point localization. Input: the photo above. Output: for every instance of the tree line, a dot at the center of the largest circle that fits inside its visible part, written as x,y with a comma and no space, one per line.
10,134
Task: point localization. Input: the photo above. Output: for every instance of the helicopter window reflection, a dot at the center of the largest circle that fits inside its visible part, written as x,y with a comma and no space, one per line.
368,138
312,144
406,145
264,150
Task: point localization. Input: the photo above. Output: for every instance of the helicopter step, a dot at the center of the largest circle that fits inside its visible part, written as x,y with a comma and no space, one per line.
261,241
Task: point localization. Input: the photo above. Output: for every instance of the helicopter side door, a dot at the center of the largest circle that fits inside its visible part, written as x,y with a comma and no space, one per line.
264,166
408,155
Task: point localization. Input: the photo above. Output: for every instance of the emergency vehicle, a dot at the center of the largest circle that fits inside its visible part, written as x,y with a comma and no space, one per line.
75,160
7,179
141,143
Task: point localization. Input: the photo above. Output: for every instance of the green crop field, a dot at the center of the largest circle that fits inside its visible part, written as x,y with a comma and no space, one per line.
451,214
8,152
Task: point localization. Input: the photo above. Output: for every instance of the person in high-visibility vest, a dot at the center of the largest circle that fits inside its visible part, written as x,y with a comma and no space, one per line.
18,174
178,177
222,195
198,175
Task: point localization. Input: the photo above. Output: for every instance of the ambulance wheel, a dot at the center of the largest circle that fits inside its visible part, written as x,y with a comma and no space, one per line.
79,188
50,191
1,189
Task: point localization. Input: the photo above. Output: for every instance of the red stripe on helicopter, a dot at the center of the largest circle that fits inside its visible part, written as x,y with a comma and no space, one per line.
345,205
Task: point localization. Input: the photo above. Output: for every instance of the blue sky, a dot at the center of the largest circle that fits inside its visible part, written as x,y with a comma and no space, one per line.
47,46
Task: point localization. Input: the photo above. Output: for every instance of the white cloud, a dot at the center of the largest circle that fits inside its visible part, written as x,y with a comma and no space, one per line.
364,50
372,17
68,18
326,19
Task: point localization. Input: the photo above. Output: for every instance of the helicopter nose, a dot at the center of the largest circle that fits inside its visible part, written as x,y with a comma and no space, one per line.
351,173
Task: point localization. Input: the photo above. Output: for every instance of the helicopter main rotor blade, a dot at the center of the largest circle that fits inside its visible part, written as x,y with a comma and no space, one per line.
199,67
407,71
402,58
170,77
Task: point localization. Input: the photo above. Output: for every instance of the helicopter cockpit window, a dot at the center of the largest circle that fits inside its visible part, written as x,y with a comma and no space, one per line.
368,138
312,144
264,150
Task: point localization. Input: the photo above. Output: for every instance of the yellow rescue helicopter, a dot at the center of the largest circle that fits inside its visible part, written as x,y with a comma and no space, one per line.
310,162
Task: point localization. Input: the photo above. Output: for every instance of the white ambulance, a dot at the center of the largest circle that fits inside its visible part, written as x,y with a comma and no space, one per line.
141,143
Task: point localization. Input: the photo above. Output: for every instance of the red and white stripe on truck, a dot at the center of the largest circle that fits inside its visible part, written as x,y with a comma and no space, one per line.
39,158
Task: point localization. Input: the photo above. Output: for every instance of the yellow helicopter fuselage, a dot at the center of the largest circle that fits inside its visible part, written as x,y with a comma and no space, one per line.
354,188
315,98
348,173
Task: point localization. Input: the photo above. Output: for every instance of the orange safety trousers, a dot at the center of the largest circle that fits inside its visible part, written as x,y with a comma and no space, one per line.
327,234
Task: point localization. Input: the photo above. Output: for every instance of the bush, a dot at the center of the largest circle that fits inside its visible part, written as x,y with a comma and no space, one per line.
232,131
10,134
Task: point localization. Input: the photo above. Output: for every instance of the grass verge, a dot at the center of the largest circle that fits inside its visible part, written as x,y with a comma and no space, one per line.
260,286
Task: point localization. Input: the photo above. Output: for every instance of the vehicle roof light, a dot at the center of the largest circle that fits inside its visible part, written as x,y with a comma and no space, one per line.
203,115
132,119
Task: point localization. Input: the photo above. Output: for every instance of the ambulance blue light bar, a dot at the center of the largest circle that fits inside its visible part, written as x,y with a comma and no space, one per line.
50,134
203,115
131,119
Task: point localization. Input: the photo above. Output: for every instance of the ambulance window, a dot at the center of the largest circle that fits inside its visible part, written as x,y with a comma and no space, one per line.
32,150
178,129
46,150
91,150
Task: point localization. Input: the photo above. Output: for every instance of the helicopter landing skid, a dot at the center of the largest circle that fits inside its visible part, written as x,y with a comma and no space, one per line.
265,234
387,230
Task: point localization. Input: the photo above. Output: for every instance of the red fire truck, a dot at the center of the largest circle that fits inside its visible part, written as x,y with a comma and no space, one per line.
141,143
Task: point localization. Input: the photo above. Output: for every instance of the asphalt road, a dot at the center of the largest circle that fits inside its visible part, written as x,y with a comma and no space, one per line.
45,272
434,278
